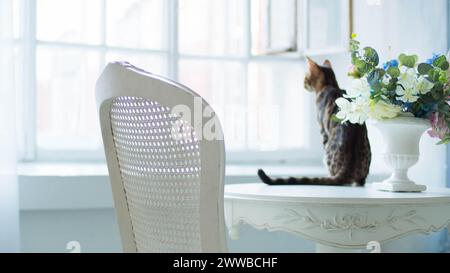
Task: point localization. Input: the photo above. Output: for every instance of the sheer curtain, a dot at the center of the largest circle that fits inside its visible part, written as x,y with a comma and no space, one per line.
9,205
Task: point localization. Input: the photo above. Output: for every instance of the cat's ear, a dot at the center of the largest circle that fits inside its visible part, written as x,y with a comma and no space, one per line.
327,63
313,66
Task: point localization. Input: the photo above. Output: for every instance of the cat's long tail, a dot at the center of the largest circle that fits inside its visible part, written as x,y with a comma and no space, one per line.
325,181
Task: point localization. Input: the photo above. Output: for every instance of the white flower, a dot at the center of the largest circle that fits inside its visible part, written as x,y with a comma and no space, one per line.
355,111
408,77
408,94
383,110
345,107
360,110
359,88
423,85
411,86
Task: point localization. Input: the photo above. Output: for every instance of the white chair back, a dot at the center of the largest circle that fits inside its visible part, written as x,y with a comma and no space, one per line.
167,179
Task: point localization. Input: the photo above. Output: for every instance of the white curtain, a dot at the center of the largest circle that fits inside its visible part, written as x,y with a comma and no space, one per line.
9,205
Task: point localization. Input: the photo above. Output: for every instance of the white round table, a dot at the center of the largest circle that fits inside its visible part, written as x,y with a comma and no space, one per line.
337,218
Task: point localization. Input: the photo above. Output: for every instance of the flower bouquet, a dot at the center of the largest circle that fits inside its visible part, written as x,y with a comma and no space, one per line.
403,98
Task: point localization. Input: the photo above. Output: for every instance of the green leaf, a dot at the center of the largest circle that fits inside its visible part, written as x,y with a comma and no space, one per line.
354,45
374,79
438,87
424,68
446,140
434,75
446,92
360,64
444,109
371,56
362,67
336,119
392,86
441,62
416,108
443,77
436,94
354,74
427,98
393,71
380,72
355,57
408,60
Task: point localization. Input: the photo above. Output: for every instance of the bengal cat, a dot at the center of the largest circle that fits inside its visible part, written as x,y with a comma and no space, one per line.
347,146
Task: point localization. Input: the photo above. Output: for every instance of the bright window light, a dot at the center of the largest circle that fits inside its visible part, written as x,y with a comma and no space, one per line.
63,45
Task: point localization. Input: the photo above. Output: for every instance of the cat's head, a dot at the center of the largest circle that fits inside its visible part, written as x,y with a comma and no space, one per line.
319,76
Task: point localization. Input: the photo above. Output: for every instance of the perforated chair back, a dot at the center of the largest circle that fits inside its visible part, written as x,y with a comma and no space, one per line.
166,176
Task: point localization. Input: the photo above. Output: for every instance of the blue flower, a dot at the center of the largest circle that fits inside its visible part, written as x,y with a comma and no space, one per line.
406,107
432,59
391,63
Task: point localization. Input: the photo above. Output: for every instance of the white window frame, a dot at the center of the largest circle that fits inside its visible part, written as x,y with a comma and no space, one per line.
29,44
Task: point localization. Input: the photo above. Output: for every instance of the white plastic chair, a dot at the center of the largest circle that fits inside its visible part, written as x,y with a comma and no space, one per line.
168,193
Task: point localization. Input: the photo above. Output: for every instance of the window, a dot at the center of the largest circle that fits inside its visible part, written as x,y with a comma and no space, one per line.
218,48
274,26
299,27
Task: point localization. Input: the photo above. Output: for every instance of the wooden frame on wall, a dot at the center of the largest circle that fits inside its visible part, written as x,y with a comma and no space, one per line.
350,17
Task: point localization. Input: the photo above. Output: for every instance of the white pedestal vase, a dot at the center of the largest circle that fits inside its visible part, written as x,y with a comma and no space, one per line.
401,136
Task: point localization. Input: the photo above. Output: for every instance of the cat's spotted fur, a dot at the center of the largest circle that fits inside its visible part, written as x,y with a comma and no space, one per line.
346,145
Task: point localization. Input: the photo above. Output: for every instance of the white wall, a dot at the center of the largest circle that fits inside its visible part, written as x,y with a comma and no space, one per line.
409,26
50,230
